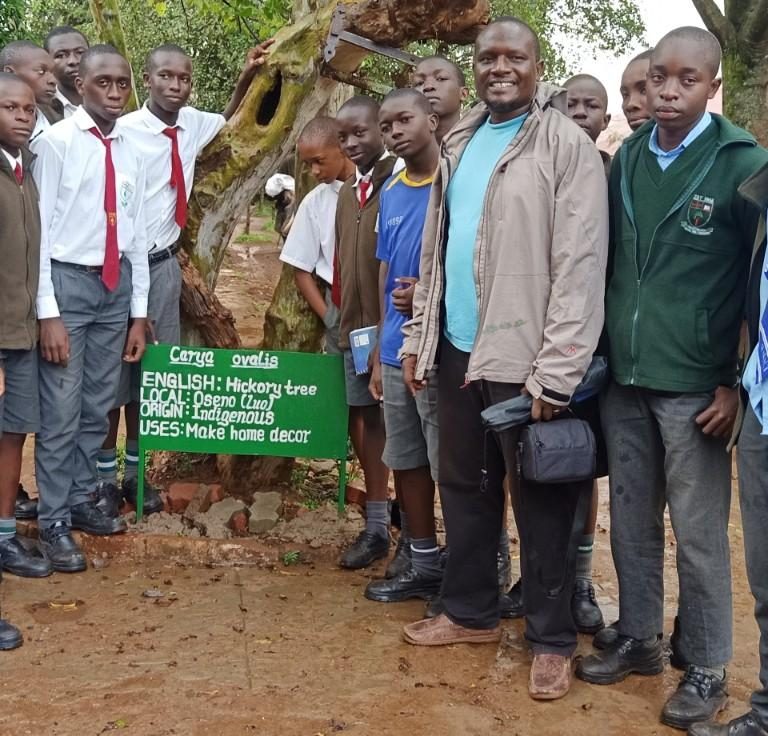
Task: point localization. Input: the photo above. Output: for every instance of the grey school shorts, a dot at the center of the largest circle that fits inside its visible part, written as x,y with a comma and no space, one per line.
357,386
20,404
164,313
410,423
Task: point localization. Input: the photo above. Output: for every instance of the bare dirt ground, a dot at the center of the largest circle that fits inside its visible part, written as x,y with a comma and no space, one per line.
296,650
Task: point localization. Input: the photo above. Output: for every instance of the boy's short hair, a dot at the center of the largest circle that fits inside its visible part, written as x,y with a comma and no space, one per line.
322,130
12,52
418,98
10,78
62,31
100,49
711,51
641,56
362,102
171,48
515,21
589,78
461,77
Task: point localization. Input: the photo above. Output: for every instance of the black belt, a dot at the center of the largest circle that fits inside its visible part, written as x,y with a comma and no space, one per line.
163,255
79,266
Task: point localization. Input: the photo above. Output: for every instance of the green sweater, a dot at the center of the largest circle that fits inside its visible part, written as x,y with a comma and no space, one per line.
680,247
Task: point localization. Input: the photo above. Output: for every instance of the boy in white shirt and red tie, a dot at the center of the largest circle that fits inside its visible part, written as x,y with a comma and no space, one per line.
94,274
167,135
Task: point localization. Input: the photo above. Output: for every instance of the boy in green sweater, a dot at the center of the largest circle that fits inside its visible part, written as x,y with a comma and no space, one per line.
681,242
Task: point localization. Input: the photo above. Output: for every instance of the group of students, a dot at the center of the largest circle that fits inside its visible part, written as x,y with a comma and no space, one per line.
496,253
92,203
495,260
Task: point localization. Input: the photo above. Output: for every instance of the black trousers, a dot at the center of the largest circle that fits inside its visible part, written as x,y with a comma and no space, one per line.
473,513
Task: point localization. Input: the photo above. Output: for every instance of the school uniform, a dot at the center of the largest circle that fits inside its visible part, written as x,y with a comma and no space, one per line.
410,423
41,125
681,242
165,150
93,275
356,283
310,247
20,256
68,108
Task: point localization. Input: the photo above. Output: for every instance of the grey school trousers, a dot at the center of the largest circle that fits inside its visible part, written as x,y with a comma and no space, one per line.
657,458
752,457
75,399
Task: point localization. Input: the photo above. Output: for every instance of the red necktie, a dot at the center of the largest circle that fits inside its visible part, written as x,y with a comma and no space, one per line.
365,188
110,273
18,173
177,178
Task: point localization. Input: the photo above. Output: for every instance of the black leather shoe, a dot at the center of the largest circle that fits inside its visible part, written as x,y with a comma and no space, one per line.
366,549
26,507
586,613
16,559
58,546
410,584
511,602
627,656
606,638
152,500
108,498
88,517
746,725
700,696
10,636
434,608
503,570
401,562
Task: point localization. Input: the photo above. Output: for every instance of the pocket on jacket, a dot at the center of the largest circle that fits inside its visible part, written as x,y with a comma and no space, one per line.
702,334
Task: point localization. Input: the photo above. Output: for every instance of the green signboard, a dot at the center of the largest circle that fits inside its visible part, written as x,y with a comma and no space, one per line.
242,402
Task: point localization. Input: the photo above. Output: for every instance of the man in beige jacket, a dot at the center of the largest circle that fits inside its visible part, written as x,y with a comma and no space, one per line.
510,301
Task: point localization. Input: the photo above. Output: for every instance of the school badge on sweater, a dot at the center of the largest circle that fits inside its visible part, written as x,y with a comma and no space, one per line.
699,214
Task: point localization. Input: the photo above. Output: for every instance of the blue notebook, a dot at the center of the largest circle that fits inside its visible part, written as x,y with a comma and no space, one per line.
362,342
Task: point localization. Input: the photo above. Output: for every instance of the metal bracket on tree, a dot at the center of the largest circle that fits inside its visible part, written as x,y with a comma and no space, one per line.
338,37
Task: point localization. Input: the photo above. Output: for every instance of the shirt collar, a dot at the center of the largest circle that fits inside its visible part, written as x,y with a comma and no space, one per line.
67,104
367,177
695,132
85,122
13,161
156,125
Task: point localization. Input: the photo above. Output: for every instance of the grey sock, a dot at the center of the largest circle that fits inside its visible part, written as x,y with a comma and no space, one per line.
106,465
131,460
377,517
425,556
584,557
404,524
7,529
718,672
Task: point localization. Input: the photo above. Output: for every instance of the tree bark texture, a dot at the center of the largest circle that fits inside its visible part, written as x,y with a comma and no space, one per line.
743,33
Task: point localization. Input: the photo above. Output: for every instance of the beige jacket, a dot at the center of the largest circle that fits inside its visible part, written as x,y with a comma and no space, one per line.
540,256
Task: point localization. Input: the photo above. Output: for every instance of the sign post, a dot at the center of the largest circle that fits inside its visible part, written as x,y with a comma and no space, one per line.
242,402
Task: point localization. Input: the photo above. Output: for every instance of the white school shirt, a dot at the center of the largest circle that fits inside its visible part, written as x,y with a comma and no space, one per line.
41,125
69,107
145,133
70,175
312,238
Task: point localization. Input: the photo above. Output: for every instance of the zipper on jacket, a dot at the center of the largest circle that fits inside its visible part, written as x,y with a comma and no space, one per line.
640,270
357,265
30,299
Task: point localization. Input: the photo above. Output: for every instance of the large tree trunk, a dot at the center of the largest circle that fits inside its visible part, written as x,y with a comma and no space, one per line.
743,32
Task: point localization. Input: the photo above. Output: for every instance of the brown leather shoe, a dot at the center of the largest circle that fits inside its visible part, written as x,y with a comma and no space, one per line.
435,632
550,677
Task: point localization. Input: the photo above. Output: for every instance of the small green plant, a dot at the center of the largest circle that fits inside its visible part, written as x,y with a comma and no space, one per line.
293,557
255,238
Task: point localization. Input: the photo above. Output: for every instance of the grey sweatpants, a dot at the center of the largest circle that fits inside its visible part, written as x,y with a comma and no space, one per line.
75,399
752,456
659,457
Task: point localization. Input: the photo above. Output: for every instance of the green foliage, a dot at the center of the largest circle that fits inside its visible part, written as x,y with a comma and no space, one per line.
293,557
11,20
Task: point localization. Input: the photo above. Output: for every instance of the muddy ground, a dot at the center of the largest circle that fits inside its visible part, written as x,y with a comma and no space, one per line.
295,650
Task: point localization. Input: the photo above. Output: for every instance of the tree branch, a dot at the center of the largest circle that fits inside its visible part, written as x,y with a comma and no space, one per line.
755,25
716,22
